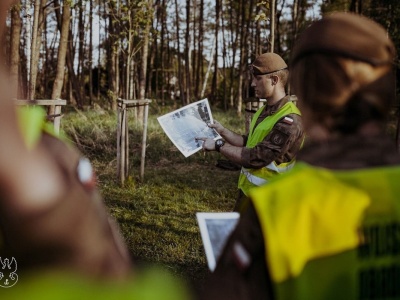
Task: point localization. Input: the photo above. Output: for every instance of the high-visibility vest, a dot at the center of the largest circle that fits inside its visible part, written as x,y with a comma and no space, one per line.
150,283
332,234
250,178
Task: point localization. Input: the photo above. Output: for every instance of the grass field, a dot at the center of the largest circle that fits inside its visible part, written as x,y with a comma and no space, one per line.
157,216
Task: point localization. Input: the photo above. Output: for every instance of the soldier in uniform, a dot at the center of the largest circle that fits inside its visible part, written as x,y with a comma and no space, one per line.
329,229
276,131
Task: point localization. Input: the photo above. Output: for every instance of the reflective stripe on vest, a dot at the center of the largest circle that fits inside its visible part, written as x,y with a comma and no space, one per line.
250,178
260,180
332,234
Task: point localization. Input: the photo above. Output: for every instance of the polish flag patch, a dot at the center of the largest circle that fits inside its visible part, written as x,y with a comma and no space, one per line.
288,120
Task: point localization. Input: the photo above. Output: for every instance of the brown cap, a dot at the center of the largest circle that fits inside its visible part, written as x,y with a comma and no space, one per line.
267,63
349,35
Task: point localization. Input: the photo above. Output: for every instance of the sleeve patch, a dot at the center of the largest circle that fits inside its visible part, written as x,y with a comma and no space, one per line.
278,138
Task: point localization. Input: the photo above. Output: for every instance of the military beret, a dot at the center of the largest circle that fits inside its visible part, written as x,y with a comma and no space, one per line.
346,34
267,63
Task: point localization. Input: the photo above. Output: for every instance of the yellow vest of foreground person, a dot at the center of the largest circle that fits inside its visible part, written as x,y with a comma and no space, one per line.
332,234
250,178
151,283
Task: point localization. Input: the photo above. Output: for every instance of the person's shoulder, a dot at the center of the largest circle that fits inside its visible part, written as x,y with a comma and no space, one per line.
301,180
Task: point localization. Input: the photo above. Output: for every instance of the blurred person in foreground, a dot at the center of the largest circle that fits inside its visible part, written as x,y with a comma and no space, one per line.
57,238
275,135
329,229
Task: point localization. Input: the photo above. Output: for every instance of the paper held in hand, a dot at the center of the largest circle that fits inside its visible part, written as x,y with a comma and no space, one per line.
215,229
183,125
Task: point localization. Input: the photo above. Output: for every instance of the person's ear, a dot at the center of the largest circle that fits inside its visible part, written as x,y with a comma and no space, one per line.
274,79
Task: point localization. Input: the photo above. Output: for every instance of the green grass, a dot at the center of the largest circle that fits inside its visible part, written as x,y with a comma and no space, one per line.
157,216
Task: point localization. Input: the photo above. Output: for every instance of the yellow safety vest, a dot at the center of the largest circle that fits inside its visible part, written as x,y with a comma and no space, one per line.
151,283
332,234
250,178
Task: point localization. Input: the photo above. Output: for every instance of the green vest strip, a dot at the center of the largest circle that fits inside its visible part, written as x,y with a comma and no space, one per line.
332,234
250,178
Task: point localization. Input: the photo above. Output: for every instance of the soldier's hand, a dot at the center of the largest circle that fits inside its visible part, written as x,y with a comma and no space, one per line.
217,126
208,144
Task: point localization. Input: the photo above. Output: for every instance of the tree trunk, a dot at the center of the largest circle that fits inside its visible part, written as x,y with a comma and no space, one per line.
81,51
112,58
69,55
143,69
214,86
162,52
224,54
180,77
34,58
187,53
28,45
91,54
62,52
234,41
16,26
272,28
199,73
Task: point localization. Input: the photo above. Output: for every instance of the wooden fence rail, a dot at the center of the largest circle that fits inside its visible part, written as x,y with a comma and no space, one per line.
57,103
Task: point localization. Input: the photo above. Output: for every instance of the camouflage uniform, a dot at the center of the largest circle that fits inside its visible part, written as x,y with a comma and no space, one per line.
280,145
231,280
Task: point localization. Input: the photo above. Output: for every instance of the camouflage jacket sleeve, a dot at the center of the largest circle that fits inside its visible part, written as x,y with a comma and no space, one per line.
280,145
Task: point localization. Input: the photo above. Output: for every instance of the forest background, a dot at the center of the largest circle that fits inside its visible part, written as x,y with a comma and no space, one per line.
93,52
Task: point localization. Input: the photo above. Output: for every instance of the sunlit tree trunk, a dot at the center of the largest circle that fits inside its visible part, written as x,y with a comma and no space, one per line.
112,55
143,68
272,25
129,55
34,49
62,52
234,21
214,86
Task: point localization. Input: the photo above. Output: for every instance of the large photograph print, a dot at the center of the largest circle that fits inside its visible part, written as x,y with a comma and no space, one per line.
215,229
183,125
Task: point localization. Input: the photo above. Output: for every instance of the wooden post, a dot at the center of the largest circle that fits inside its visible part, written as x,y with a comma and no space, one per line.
144,141
126,152
57,119
119,121
123,141
123,136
